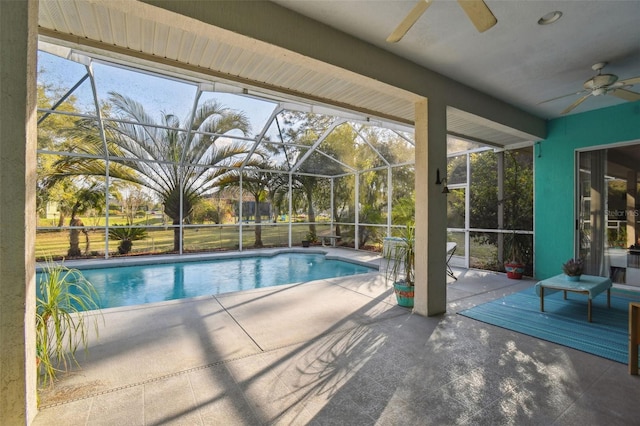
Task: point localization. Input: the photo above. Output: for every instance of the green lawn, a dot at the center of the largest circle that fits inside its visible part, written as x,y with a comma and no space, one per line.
218,237
160,240
225,237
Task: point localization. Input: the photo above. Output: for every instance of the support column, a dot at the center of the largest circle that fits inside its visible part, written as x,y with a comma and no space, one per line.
431,208
18,43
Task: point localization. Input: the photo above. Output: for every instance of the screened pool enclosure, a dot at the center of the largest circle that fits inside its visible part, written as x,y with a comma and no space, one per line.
173,164
135,160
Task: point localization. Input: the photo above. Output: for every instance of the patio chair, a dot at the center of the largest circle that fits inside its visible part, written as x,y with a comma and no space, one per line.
451,249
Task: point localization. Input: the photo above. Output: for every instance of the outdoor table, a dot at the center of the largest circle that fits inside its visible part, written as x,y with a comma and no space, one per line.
590,285
332,239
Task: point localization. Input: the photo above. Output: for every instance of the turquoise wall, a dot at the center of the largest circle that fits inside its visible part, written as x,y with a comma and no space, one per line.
554,177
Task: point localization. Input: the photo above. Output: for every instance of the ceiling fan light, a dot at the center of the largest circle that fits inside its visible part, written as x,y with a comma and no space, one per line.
550,18
599,91
600,81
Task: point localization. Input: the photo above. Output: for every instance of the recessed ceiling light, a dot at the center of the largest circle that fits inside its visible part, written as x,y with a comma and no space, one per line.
550,18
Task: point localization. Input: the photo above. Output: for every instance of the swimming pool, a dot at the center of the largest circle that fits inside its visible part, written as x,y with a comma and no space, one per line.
150,283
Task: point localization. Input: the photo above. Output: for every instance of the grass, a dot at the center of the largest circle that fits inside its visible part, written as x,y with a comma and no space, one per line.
160,240
212,237
55,243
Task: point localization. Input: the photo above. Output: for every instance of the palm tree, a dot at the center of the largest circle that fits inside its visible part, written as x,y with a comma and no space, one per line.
179,165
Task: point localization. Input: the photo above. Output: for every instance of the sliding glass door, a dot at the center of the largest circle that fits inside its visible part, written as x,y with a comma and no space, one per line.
607,228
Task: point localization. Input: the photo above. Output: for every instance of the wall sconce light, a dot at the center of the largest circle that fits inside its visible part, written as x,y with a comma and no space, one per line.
445,189
438,181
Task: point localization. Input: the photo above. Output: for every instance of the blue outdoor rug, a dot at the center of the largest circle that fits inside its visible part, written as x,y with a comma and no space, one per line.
565,321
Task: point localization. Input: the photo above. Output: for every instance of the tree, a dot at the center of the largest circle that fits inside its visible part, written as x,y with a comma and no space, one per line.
517,201
259,184
132,200
310,188
206,210
483,204
373,182
179,165
86,198
518,178
51,137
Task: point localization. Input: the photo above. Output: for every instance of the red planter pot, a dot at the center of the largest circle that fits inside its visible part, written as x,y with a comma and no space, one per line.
514,270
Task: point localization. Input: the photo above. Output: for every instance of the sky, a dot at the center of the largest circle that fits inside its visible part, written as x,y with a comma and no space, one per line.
158,94
155,93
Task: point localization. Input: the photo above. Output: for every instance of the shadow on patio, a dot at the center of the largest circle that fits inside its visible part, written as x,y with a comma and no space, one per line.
334,351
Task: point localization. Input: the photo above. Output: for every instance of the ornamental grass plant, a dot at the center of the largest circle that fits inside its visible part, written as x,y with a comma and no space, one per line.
61,325
401,259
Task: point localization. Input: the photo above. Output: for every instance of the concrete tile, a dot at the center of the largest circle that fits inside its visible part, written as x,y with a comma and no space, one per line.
478,388
335,352
436,409
585,413
371,396
267,395
505,412
288,315
614,396
147,342
339,412
170,401
122,407
219,399
74,413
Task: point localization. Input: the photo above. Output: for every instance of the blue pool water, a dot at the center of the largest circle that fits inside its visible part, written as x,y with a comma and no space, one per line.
135,285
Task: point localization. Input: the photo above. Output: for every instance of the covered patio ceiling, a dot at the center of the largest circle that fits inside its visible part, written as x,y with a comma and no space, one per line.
149,37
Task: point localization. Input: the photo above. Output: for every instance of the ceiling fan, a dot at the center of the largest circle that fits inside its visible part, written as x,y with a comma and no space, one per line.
476,10
602,84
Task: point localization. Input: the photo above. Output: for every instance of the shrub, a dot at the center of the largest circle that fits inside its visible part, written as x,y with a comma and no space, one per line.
126,236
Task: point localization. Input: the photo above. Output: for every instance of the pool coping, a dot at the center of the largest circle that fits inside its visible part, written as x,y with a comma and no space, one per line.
85,264
114,262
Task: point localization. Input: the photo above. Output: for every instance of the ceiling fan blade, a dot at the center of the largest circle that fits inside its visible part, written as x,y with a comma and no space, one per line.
630,81
479,13
575,104
563,96
408,21
625,94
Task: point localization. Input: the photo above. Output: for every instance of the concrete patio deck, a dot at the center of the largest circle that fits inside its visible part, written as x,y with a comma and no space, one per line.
336,351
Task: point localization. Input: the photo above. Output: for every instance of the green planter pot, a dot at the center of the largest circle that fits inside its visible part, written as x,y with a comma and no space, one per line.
404,294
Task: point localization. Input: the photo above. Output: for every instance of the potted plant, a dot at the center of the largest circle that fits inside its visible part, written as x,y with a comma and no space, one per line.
514,266
573,269
309,238
61,327
400,266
